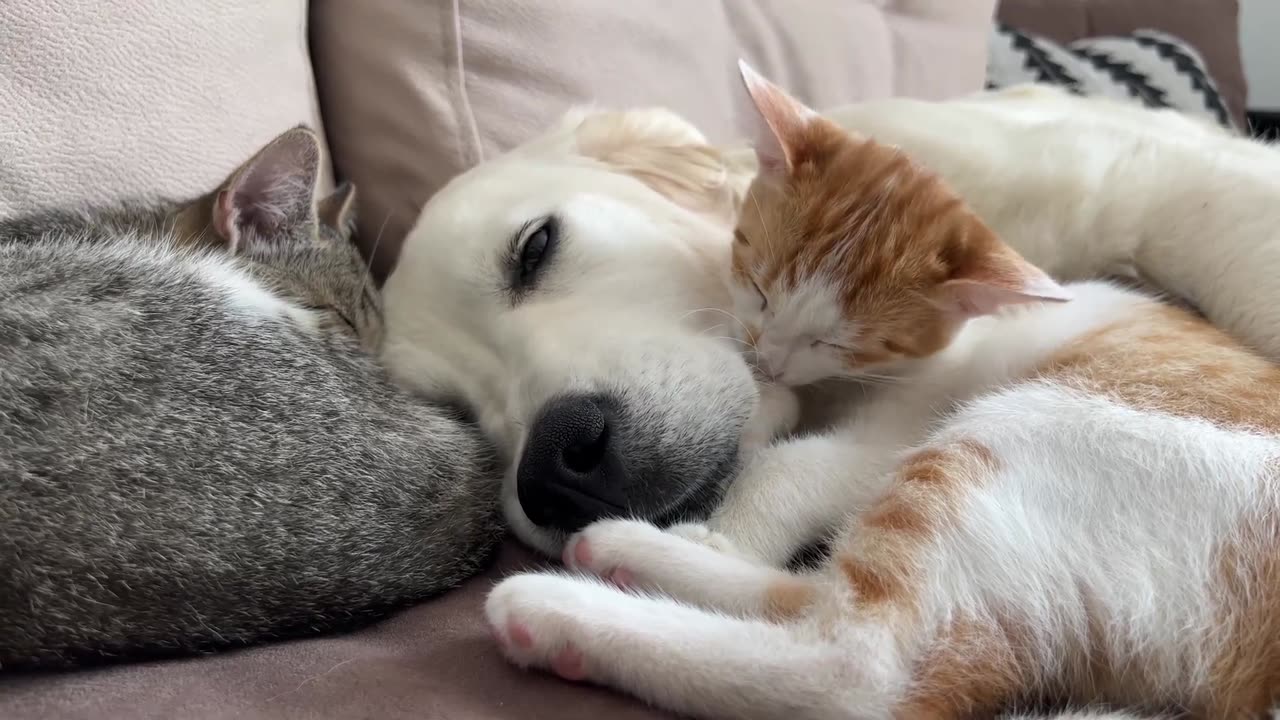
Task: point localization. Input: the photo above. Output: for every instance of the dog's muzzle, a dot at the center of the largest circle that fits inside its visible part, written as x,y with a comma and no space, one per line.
591,457
570,474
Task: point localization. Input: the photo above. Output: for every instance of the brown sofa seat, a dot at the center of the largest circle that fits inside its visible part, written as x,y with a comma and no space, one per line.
434,661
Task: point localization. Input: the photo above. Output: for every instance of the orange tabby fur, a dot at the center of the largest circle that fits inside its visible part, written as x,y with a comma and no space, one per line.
888,230
893,234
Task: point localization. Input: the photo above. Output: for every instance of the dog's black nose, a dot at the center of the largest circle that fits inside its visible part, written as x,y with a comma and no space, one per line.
570,475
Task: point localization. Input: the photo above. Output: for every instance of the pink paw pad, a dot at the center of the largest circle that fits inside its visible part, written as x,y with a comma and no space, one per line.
520,635
577,554
622,578
569,664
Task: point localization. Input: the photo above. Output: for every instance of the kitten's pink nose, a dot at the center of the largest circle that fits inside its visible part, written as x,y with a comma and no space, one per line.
763,366
772,363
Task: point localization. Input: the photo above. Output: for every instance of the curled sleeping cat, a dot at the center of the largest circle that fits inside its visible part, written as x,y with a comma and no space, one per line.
197,447
1052,494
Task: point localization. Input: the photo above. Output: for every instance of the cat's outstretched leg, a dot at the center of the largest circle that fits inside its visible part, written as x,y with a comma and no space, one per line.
637,555
776,414
795,492
871,639
702,664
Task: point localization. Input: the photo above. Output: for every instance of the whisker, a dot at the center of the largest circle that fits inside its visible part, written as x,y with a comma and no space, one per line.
730,338
884,378
873,378
857,377
369,288
693,312
748,356
373,251
764,227
746,330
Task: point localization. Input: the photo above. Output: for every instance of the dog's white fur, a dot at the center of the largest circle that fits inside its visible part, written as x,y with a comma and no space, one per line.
1082,188
629,306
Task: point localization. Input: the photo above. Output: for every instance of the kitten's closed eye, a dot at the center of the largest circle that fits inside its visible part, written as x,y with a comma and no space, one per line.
764,301
893,347
819,344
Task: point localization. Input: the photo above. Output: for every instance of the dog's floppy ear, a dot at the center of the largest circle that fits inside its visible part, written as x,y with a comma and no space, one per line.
665,152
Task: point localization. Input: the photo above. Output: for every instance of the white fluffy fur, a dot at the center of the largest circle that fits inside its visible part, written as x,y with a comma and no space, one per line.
249,297
1081,188
1095,506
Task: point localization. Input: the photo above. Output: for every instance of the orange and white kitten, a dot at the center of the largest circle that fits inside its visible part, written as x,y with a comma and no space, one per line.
1055,502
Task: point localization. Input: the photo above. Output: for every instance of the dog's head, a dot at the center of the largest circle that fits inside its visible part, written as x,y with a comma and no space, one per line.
563,292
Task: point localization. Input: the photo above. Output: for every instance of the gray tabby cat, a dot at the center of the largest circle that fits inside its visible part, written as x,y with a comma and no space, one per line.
196,449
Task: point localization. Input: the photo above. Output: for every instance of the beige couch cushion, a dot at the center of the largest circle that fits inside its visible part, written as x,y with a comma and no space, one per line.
105,99
414,91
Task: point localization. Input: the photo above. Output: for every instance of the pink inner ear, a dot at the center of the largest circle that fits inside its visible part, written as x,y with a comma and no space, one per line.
774,121
224,219
976,297
770,156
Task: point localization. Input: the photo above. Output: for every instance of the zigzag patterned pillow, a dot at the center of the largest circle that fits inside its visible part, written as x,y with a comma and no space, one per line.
1151,67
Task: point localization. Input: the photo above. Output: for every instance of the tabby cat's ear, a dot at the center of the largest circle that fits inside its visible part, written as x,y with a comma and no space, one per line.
993,276
775,122
272,193
338,210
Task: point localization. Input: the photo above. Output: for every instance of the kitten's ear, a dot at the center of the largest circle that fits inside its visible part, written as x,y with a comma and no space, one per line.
338,211
274,190
994,276
775,122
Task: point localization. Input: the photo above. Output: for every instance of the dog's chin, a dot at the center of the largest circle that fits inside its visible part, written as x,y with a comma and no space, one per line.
695,505
697,502
548,541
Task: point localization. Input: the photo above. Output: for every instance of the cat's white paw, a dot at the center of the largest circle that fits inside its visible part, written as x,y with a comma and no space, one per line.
620,551
703,535
638,556
776,414
538,621
754,439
